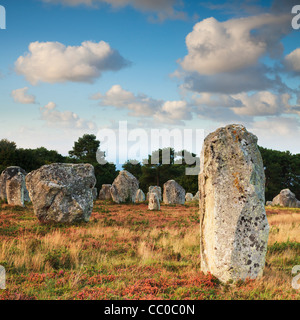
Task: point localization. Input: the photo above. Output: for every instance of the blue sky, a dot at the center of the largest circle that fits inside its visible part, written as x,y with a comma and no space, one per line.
70,67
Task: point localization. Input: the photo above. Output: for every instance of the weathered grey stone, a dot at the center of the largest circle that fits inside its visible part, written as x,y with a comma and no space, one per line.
286,198
15,190
188,197
196,196
124,187
104,193
269,203
95,194
157,190
173,193
62,192
154,204
140,196
8,174
233,224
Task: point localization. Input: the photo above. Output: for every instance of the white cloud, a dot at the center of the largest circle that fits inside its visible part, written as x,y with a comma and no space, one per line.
216,47
143,106
22,96
292,60
54,62
263,103
64,119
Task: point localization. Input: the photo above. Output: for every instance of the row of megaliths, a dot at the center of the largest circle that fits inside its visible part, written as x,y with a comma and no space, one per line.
233,225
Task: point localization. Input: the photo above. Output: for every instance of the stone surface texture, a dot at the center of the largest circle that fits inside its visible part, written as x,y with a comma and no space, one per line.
233,224
62,193
124,187
173,193
154,204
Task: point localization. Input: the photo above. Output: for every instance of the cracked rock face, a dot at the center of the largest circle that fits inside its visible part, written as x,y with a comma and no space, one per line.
12,186
233,224
154,204
173,193
286,198
62,192
104,193
124,187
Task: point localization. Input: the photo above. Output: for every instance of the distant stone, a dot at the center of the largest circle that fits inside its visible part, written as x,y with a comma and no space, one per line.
62,193
286,198
124,187
188,197
15,190
196,196
269,203
95,194
12,178
157,190
140,196
173,193
154,204
233,224
104,193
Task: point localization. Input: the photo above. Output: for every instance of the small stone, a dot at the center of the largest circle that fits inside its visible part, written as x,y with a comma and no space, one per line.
140,196
154,204
188,197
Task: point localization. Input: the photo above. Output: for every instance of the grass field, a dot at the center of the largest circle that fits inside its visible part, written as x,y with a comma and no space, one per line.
128,252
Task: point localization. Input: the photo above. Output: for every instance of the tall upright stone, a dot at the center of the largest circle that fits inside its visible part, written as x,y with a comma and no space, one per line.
62,193
233,224
154,204
124,187
12,179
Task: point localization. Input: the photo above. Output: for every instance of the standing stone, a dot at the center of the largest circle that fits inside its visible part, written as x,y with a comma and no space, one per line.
286,198
154,204
157,190
124,187
188,197
95,194
104,193
173,193
15,190
196,196
233,224
8,174
140,196
62,192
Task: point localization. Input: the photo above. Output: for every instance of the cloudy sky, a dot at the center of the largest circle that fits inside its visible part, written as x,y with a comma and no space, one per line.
70,67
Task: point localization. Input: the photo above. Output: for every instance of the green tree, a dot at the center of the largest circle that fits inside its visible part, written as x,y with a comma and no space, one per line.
7,153
85,151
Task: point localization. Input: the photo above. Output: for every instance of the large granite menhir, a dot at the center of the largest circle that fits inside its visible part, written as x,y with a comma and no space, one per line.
233,224
62,192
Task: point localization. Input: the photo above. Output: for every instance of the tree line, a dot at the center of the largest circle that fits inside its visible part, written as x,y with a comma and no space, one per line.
282,169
